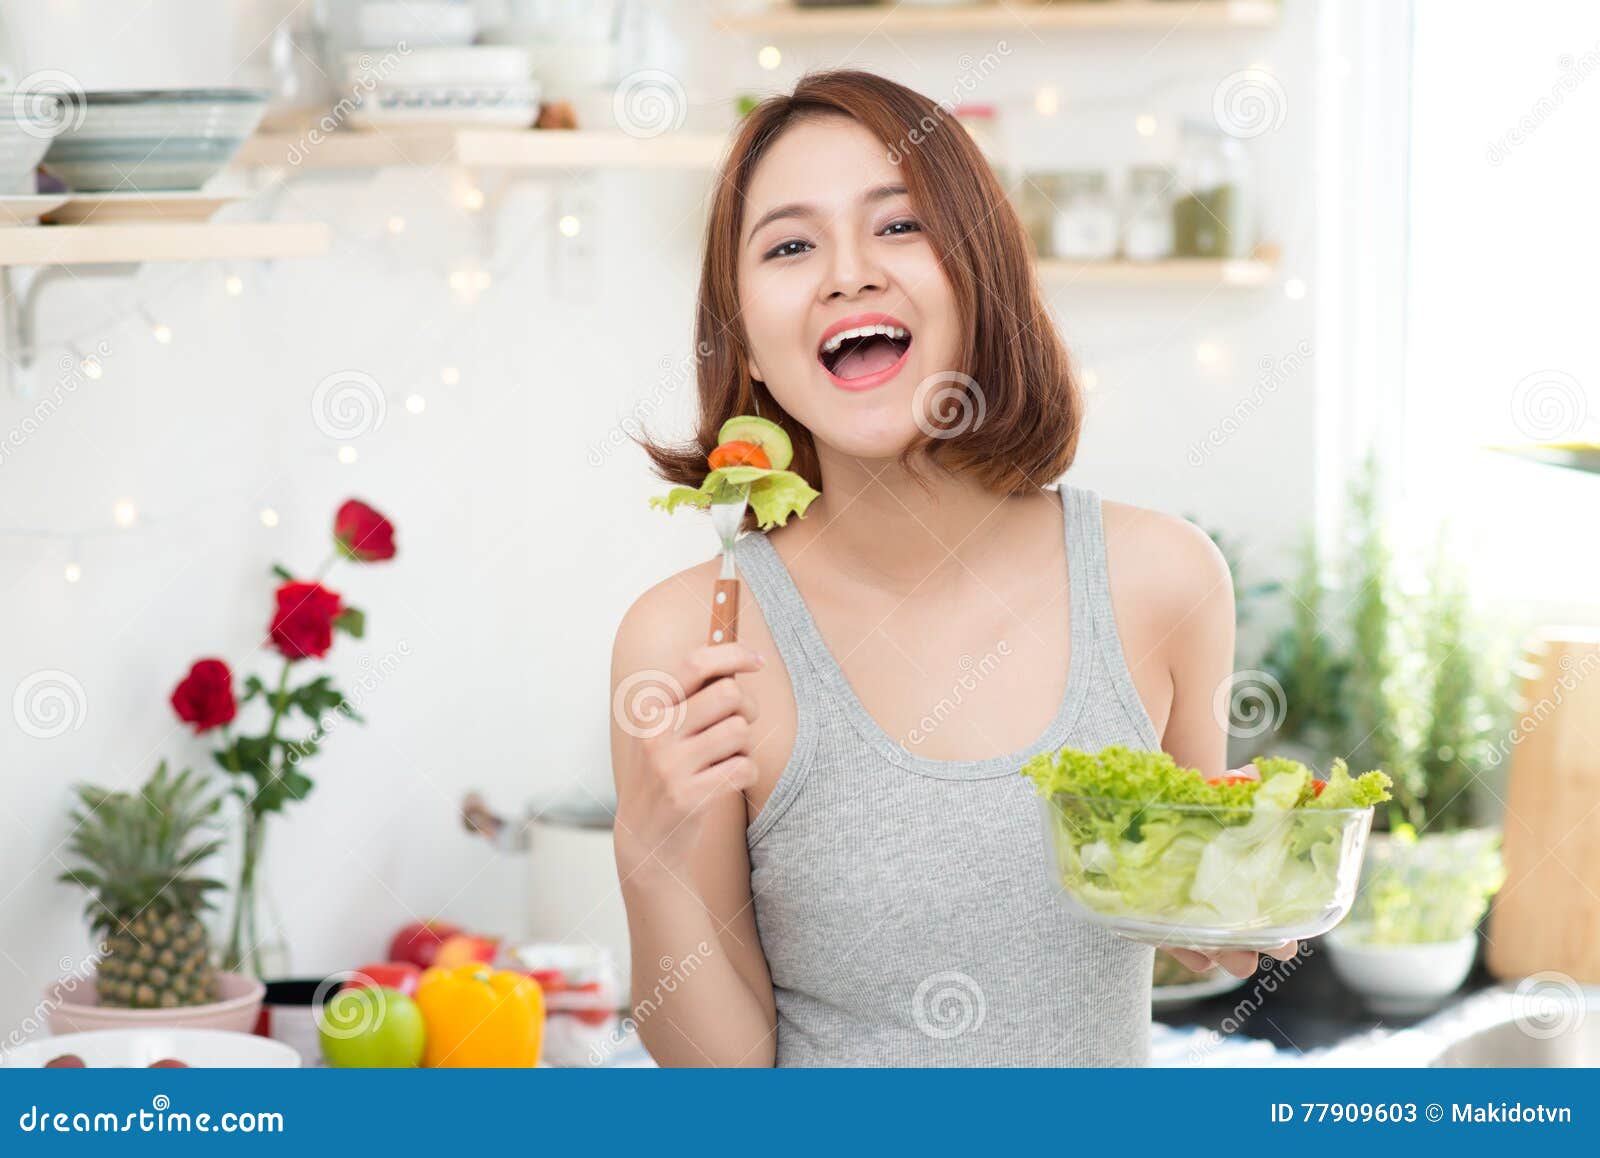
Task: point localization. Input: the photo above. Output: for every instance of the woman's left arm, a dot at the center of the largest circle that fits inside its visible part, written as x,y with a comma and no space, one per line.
1199,650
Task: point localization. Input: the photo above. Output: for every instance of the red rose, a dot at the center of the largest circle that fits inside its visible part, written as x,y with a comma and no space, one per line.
204,697
362,533
302,628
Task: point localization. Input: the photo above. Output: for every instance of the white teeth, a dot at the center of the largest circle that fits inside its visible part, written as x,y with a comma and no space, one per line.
897,332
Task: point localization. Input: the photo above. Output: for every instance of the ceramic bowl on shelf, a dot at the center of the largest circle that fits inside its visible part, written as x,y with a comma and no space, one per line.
75,1008
154,141
28,122
501,105
138,1048
477,64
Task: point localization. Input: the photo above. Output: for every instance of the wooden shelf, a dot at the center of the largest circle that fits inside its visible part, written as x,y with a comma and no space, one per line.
194,241
1177,271
1161,16
508,149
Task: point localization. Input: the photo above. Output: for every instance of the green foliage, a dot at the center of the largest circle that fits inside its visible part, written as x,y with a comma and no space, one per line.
141,850
1389,678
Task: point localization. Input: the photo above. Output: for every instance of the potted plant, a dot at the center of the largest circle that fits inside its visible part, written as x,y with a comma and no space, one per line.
1399,678
140,855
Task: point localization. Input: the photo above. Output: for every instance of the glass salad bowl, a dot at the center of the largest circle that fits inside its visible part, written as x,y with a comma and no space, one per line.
1205,876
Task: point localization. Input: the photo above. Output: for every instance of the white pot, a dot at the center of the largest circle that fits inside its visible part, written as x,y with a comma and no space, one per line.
1401,980
111,44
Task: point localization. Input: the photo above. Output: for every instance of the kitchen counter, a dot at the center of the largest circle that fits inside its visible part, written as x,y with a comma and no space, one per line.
1302,1007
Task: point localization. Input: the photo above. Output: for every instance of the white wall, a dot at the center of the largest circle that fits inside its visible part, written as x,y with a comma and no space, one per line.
510,579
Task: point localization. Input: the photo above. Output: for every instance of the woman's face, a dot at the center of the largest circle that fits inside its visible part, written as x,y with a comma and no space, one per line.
830,246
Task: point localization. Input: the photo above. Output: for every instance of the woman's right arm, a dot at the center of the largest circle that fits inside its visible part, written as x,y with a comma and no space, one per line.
680,742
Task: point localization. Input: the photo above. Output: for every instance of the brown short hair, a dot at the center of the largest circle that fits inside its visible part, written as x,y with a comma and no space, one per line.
1031,406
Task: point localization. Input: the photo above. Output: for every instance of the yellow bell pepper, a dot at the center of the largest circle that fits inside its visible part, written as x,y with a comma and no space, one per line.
478,1018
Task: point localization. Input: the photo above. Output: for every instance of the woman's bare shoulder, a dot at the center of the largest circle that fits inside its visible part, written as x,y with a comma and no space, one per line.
668,620
1162,563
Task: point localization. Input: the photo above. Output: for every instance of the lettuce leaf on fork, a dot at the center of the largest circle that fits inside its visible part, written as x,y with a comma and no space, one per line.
774,494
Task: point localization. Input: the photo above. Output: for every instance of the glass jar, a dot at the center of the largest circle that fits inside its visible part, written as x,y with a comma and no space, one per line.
1083,222
1147,214
1213,212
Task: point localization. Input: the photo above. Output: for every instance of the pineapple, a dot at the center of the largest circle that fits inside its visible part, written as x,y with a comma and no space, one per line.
139,853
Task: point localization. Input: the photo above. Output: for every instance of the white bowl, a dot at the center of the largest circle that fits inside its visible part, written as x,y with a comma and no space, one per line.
28,121
1401,980
137,1048
416,23
75,1006
477,64
147,142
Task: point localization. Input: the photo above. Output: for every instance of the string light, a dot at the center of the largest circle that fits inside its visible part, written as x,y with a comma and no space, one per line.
233,284
472,199
90,365
162,333
125,514
269,517
396,224
1145,125
1208,353
416,403
72,572
1089,379
347,455
1046,101
469,283
769,57
450,375
569,226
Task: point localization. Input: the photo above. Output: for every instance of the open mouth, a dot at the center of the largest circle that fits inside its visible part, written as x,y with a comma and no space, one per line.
864,354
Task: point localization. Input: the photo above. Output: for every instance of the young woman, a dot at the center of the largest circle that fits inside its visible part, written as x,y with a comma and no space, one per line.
831,856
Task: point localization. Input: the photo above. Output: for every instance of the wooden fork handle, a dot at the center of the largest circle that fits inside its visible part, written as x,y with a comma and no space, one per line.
725,611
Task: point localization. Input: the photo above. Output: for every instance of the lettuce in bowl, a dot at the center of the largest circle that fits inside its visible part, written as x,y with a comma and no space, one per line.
1159,853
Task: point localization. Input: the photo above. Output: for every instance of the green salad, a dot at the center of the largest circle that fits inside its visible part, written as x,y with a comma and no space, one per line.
752,455
1137,836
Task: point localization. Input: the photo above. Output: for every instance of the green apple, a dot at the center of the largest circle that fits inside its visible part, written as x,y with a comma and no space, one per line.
369,1028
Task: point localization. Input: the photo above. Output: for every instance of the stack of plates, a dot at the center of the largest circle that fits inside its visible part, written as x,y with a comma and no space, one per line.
473,85
155,141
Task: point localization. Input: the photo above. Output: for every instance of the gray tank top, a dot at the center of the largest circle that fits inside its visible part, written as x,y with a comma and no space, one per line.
904,904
